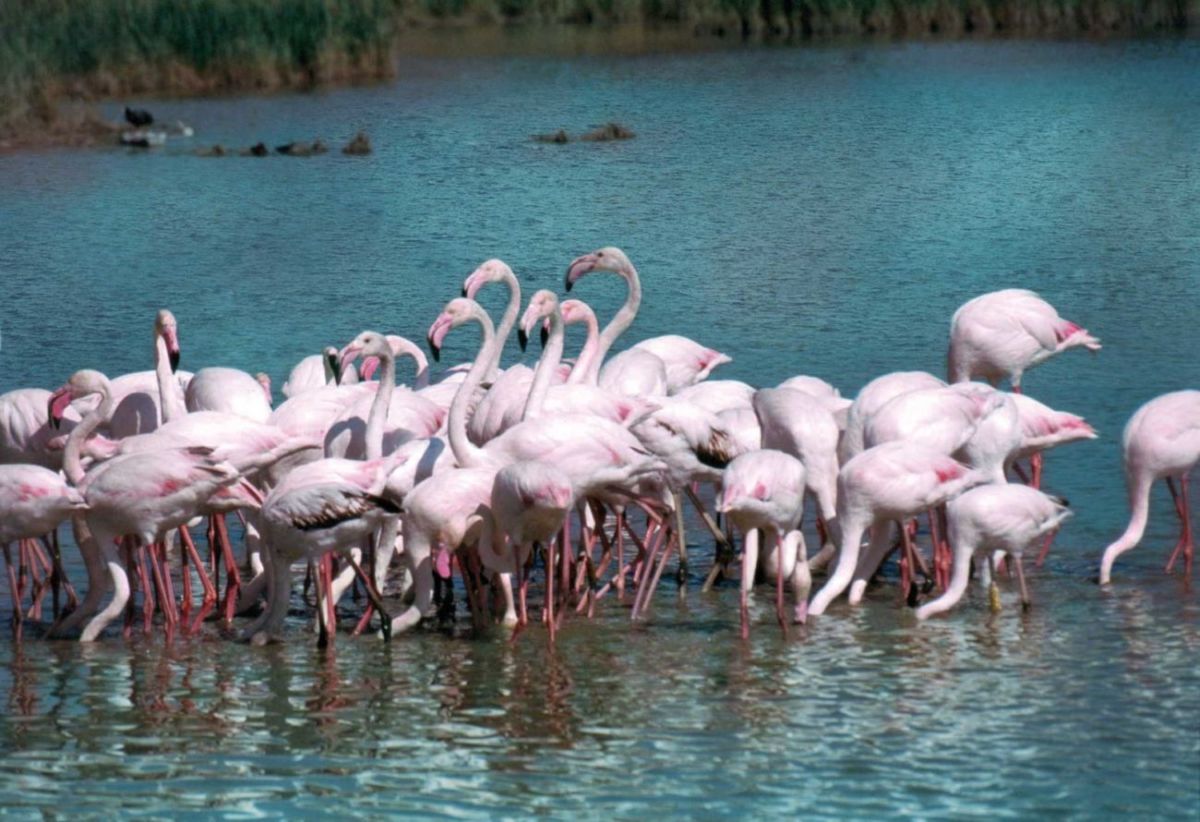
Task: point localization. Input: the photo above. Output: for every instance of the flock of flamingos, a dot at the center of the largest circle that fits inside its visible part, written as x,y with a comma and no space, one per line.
480,469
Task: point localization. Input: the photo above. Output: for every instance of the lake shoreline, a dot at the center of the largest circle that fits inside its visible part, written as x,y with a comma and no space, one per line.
57,110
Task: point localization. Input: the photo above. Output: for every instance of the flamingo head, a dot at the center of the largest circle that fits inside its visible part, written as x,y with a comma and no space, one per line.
367,344
82,384
575,311
609,258
166,327
542,306
457,312
490,271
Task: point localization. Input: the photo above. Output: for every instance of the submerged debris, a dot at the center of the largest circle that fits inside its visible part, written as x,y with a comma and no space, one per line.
217,150
559,136
256,150
360,145
606,132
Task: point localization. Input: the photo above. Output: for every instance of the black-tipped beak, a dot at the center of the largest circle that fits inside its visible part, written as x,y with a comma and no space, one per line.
464,291
522,338
434,350
50,415
545,335
173,359
567,284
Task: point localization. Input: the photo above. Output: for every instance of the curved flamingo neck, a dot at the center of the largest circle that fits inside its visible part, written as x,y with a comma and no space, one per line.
507,321
380,406
591,347
620,321
170,397
72,453
546,368
467,453
403,347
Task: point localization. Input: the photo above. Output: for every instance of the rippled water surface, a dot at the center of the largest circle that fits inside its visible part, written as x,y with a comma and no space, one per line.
817,210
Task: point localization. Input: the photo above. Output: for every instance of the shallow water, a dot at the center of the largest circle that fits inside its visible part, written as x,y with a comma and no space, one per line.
818,210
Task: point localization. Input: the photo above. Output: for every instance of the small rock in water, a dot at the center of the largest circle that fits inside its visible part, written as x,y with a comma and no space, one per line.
319,147
361,144
256,150
608,131
559,136
298,149
216,151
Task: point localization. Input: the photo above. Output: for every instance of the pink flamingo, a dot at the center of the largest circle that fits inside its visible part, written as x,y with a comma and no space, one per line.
873,396
765,490
144,400
500,408
529,503
717,395
677,361
799,424
1043,428
829,396
319,508
989,519
230,391
1002,334
888,483
317,370
33,501
392,415
577,311
1161,441
140,495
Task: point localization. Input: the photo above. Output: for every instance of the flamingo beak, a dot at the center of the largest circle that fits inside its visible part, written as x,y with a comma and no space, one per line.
171,337
335,366
522,339
472,285
578,267
369,366
348,355
545,333
57,405
437,333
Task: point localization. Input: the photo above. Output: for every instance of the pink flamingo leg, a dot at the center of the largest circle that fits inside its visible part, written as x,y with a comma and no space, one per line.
1035,467
620,555
147,587
210,590
12,587
233,581
779,608
549,609
1185,544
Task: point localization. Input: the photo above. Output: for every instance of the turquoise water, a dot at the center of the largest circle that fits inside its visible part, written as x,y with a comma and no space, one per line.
816,210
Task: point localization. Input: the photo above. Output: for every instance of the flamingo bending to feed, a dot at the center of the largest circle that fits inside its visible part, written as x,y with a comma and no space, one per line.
1161,441
991,518
1043,428
1002,334
888,483
799,424
829,396
141,495
873,396
765,489
33,501
530,502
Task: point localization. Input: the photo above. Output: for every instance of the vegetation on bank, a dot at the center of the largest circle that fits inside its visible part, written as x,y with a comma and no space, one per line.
51,49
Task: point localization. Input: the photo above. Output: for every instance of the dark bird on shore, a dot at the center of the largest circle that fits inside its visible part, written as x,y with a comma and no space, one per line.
138,117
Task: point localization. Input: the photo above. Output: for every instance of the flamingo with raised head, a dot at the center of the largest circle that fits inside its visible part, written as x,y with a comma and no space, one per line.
991,518
1161,441
764,489
1002,334
888,483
